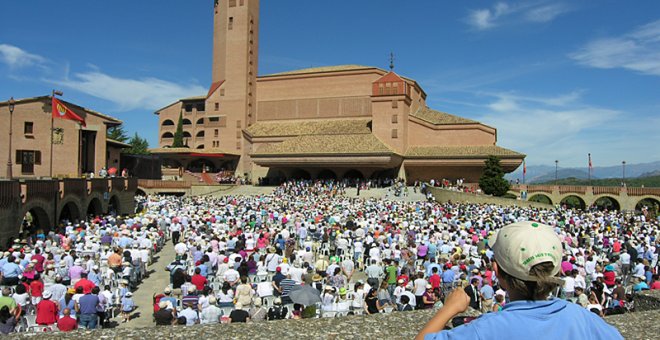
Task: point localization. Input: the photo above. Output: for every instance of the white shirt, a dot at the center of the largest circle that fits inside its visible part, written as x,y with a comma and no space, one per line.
191,316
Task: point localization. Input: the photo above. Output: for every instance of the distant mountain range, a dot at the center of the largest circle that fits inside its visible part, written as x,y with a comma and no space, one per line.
546,173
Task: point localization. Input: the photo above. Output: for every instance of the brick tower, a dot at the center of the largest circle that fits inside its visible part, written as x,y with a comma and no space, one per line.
231,100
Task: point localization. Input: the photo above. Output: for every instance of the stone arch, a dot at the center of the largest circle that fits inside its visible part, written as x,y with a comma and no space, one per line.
70,212
168,122
187,134
95,207
650,202
300,174
200,133
167,135
539,197
573,201
140,192
353,174
187,121
114,205
200,121
326,174
37,213
607,202
201,146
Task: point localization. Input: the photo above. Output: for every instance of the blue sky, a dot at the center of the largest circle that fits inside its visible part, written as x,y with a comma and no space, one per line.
558,79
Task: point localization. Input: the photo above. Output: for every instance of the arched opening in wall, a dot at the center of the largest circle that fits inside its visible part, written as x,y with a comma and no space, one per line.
70,213
187,121
607,203
140,192
113,206
200,134
202,164
273,177
171,163
201,146
353,174
186,134
167,135
168,122
95,208
300,174
200,121
573,202
540,198
327,174
649,206
35,222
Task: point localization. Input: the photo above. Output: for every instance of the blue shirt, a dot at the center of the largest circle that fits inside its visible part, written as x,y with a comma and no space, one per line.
88,303
11,270
556,319
487,292
448,276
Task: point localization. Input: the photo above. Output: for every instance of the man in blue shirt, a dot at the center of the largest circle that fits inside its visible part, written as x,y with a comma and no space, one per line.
10,272
527,261
87,307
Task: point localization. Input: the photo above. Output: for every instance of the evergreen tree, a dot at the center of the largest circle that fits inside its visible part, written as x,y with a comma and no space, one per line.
492,181
117,133
139,146
178,135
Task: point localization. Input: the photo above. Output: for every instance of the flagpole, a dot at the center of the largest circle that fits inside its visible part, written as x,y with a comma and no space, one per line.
524,170
589,168
52,127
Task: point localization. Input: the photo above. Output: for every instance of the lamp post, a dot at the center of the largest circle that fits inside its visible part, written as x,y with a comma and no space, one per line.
12,103
623,174
556,171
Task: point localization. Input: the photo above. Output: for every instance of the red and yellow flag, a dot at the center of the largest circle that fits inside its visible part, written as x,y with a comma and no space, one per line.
61,111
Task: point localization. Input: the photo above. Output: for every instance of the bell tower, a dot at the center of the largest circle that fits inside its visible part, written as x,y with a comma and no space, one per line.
231,100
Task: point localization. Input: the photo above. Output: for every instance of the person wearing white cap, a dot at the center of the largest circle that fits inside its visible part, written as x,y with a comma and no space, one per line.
527,261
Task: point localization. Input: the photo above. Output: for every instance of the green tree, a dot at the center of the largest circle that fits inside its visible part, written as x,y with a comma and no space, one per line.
492,182
139,146
178,135
117,133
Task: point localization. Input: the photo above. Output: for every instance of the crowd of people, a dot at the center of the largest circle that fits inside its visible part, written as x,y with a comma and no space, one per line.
243,258
77,275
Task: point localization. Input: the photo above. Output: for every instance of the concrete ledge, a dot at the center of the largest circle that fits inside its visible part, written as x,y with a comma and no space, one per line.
442,196
647,300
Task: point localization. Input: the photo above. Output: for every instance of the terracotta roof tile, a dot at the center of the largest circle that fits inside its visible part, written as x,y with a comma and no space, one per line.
471,151
347,144
310,127
440,118
334,68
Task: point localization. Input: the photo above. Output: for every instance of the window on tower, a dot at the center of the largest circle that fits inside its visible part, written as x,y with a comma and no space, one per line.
189,107
201,107
231,23
232,3
217,106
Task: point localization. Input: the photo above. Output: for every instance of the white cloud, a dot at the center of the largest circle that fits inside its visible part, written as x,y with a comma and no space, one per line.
15,57
535,12
129,94
638,51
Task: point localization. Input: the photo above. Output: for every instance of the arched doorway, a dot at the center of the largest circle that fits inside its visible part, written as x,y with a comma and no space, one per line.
326,174
540,198
573,202
353,174
70,213
607,203
95,208
140,192
300,174
648,204
34,222
113,206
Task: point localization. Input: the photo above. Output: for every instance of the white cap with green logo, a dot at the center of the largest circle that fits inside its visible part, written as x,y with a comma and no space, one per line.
520,246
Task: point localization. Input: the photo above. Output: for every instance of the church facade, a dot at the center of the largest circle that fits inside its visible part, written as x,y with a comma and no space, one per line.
326,122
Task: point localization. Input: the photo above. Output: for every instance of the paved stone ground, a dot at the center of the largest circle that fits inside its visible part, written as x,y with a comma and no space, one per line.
143,296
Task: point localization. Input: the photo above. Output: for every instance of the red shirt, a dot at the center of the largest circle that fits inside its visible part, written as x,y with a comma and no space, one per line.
39,266
435,280
36,288
86,285
46,312
199,281
67,324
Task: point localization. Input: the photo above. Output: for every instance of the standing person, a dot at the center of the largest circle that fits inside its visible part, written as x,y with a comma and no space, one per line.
175,231
527,261
86,307
127,306
473,292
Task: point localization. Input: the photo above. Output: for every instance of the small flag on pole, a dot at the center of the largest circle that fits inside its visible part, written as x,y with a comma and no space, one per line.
590,166
63,112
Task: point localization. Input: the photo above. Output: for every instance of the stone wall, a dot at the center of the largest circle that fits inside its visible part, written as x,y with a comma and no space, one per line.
442,195
404,325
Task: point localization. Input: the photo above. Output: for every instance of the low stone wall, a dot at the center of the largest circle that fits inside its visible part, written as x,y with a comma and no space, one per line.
398,325
647,300
442,196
